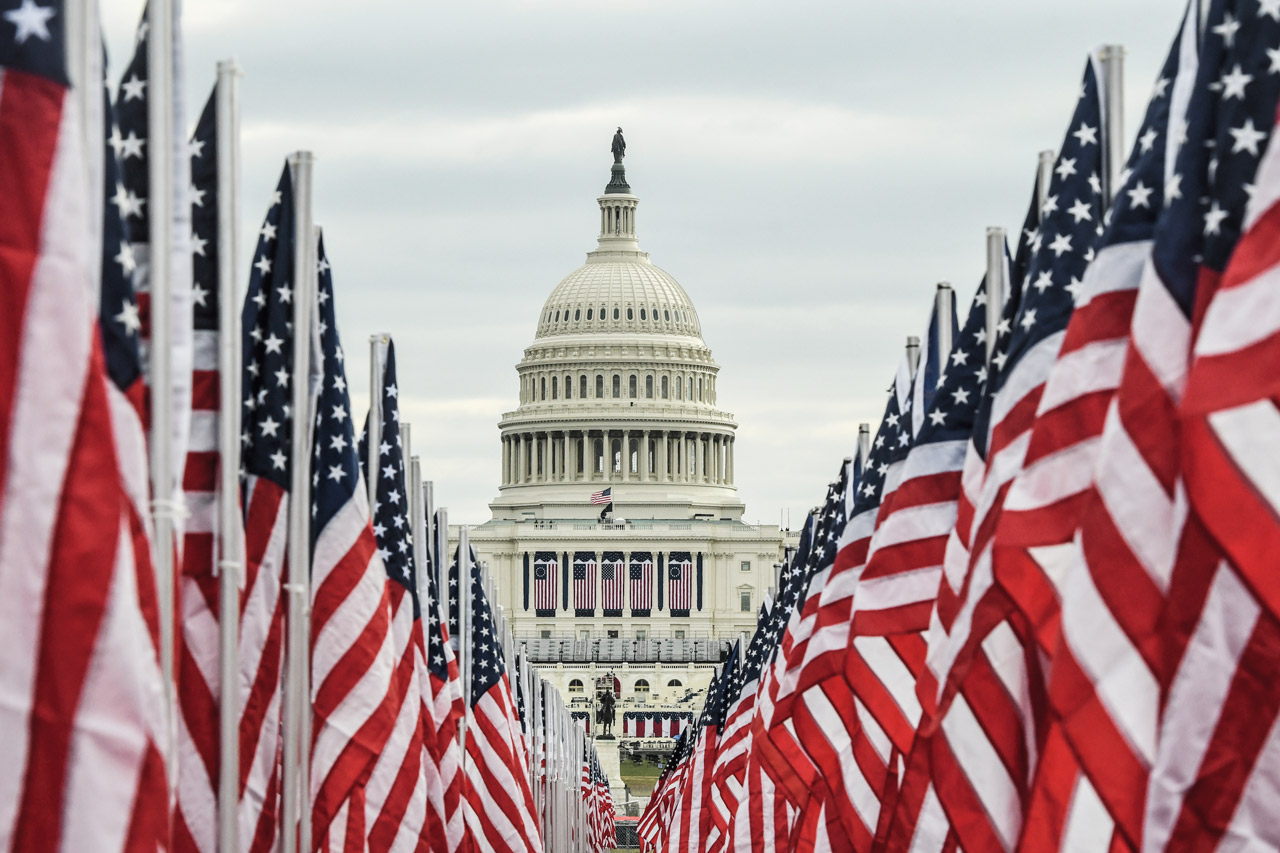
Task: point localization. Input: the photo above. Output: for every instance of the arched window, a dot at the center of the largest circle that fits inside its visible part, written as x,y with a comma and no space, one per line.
544,387
642,315
568,387
642,686
582,387
615,313
631,386
665,388
666,315
588,313
575,686
599,386
555,387
577,313
699,389
675,682
679,387
617,386
599,449
630,314
557,316
616,447
648,386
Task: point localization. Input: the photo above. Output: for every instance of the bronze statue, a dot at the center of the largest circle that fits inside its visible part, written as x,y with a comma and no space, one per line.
605,712
619,147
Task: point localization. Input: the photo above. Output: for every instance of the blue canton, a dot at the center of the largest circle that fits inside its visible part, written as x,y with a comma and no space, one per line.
33,37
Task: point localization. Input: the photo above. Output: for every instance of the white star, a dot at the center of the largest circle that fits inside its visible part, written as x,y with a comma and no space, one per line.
127,202
195,148
879,442
263,265
1246,138
1274,56
282,377
1049,206
999,359
268,232
284,293
389,472
260,300
1173,189
1002,328
1233,84
1060,245
336,473
323,266
339,414
1028,319
1227,29
269,426
1087,135
276,198
379,529
981,336
392,392
338,443
1043,282
30,20
1066,168
197,195
892,419
982,374
937,417
200,295
1148,139
1140,195
128,317
1080,211
393,496
134,88
959,357
278,460
1213,219
197,244
131,146
1161,88
1074,289
126,259
384,449
961,395
273,343
339,384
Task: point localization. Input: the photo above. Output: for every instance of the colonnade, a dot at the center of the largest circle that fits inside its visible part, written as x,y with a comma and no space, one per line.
617,456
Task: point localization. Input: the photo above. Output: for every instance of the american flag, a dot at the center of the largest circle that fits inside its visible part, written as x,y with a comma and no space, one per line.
602,497
654,823
978,774
396,806
584,583
195,824
500,814
443,707
355,661
680,583
613,582
265,451
544,583
83,718
640,573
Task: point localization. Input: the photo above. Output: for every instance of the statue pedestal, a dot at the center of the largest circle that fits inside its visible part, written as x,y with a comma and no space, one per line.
612,767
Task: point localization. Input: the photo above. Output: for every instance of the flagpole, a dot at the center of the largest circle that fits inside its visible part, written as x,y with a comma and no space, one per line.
864,442
913,353
1113,104
1044,174
428,492
995,285
163,496
418,528
412,498
441,547
464,635
230,523
943,306
296,777
377,364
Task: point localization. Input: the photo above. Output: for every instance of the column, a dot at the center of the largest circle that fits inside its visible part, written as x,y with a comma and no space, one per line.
521,455
664,460
700,458
715,458
570,461
644,456
626,455
731,443
506,461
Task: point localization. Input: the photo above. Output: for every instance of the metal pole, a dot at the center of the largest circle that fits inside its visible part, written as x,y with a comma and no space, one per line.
464,634
296,775
160,106
913,353
230,523
418,524
377,356
995,285
864,443
1044,175
1113,130
412,497
944,306
441,546
429,519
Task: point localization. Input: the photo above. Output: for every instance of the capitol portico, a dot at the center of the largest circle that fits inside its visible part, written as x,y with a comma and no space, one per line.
618,391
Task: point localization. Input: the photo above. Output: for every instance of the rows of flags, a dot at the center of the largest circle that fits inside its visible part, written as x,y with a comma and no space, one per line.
254,652
1038,610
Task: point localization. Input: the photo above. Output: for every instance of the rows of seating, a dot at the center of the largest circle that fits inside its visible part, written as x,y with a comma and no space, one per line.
614,650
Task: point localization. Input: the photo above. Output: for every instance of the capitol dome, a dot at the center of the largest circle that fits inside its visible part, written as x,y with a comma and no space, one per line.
618,390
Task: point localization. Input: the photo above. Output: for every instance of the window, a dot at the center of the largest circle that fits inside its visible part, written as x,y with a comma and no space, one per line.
679,387
642,686
699,389
642,634
679,634
555,387
666,315
675,682
642,315
557,316
599,386
544,387
630,314
631,386
575,686
617,456
648,387
617,386
599,456
568,387
744,602
665,388
582,387
615,313
746,565
612,635
584,635
545,633
577,314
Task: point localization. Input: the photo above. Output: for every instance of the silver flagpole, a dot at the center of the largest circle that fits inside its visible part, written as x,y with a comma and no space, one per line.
418,526
1044,174
163,492
945,299
412,498
230,523
913,353
864,443
377,363
429,523
995,285
1113,104
464,635
296,775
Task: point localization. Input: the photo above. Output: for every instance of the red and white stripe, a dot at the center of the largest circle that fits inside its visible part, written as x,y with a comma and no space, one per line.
443,707
584,588
544,589
613,589
499,808
85,701
681,588
642,587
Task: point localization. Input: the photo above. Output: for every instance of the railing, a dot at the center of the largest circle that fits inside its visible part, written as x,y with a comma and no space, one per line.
673,650
637,524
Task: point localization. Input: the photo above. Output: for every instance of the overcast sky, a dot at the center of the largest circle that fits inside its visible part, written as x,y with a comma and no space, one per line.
807,170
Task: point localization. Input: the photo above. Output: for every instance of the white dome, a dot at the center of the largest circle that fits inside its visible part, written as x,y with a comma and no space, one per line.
618,296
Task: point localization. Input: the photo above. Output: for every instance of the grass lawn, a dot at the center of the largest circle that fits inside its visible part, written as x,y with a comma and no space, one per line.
640,776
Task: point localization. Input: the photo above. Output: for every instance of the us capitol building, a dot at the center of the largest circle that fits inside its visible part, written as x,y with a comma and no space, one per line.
618,392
